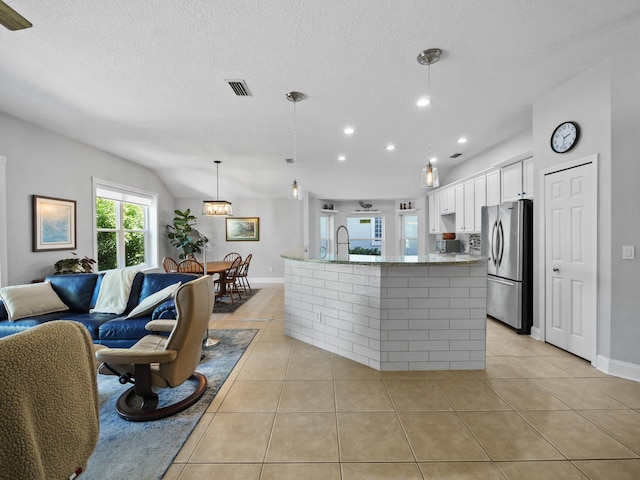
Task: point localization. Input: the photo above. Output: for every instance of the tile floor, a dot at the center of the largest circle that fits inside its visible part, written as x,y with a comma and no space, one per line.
292,411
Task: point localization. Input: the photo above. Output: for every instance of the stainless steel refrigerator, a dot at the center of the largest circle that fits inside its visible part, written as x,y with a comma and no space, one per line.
507,241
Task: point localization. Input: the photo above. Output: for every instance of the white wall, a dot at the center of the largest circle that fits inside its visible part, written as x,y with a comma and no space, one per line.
40,162
281,230
625,207
586,100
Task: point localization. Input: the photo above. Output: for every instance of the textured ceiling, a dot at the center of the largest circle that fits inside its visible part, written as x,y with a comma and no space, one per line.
145,80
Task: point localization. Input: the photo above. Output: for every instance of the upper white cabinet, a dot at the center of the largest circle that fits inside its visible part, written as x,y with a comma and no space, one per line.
517,180
448,201
480,194
493,188
459,199
434,213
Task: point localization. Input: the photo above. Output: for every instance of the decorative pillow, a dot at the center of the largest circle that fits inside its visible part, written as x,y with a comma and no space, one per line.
23,301
148,304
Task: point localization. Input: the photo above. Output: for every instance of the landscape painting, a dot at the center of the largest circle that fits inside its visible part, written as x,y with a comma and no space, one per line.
243,229
54,224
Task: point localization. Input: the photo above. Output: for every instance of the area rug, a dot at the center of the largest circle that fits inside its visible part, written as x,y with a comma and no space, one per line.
145,450
225,305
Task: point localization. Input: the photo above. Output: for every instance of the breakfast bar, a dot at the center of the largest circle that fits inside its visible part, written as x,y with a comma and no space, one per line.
425,312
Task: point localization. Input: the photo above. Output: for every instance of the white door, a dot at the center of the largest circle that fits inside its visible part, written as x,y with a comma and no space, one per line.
570,263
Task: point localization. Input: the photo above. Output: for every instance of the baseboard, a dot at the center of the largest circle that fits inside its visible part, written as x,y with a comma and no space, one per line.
266,280
536,333
630,371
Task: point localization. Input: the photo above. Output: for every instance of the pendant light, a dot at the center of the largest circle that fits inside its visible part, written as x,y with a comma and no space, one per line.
295,190
429,175
217,207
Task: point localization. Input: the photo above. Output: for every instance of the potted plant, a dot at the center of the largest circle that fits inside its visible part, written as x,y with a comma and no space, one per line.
181,234
74,265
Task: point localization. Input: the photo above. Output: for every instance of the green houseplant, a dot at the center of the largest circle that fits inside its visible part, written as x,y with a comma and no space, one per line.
74,264
180,234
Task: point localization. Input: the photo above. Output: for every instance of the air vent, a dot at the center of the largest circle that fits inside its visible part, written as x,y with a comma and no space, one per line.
288,160
455,155
239,87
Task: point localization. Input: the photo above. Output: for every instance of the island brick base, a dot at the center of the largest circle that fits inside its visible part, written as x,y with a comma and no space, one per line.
409,317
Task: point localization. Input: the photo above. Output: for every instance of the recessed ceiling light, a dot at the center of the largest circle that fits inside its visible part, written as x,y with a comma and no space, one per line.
463,140
423,102
433,159
349,130
391,147
342,158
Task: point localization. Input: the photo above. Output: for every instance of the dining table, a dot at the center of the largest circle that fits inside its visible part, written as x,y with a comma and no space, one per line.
220,267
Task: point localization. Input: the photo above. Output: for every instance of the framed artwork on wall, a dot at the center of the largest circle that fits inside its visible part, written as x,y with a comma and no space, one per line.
54,224
243,229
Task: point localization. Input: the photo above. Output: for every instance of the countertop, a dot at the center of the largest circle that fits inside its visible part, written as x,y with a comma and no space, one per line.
391,261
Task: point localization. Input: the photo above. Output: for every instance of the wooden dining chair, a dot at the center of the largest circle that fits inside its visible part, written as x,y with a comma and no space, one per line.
231,280
244,272
169,264
230,257
190,265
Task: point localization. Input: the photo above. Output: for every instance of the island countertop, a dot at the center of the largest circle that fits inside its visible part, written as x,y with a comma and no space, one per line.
391,261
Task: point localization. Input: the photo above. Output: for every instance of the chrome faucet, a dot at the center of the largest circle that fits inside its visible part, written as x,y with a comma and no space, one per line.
338,243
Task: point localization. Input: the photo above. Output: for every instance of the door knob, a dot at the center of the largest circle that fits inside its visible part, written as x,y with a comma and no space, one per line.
556,270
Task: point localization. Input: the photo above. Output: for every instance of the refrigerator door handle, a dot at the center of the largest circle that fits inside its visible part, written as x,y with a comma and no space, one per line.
503,282
501,235
494,254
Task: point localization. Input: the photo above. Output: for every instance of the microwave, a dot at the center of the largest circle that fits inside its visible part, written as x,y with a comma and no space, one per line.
448,246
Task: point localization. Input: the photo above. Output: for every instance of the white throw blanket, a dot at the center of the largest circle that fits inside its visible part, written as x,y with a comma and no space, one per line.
114,291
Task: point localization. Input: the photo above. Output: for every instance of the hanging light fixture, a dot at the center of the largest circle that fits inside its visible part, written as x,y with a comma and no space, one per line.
217,207
295,191
429,175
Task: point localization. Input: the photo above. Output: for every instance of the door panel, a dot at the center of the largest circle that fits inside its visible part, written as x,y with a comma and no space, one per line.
570,266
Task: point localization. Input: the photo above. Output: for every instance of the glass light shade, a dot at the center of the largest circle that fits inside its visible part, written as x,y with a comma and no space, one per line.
429,177
295,192
217,208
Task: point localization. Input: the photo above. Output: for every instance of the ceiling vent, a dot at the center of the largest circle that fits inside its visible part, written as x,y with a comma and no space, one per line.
455,155
239,87
288,160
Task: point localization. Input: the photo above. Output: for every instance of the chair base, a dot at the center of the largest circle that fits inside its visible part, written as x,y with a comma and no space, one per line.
143,408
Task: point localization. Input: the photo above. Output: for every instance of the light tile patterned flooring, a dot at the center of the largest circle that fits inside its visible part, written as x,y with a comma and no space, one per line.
292,411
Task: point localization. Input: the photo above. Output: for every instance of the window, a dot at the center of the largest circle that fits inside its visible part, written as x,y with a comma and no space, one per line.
409,237
365,235
124,236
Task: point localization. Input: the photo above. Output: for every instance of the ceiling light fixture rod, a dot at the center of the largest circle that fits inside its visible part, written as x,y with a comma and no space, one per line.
429,176
295,192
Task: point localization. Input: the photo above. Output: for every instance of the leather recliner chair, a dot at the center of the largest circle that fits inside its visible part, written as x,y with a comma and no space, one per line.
161,361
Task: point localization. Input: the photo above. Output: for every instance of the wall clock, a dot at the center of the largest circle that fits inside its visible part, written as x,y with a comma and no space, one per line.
565,137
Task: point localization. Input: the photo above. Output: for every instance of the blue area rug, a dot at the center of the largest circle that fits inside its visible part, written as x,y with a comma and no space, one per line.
145,450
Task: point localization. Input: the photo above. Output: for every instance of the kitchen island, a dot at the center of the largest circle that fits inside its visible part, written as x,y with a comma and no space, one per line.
424,312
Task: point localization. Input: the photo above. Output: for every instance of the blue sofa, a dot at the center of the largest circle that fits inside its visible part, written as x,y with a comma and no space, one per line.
80,292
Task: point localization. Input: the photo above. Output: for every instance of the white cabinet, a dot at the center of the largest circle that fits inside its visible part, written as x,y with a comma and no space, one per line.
493,188
448,201
434,213
527,178
458,191
465,206
480,194
511,182
469,205
517,180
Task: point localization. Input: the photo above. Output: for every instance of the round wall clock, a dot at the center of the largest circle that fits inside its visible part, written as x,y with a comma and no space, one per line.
565,137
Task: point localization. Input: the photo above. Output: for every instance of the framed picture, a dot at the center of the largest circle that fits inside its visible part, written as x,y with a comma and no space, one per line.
243,229
54,224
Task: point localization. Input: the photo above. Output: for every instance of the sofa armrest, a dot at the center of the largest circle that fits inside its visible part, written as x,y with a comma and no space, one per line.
166,310
161,325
